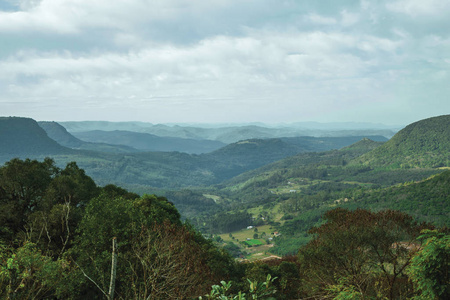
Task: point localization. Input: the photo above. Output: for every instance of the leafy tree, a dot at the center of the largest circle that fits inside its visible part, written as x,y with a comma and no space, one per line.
429,269
23,184
158,255
166,263
27,274
256,290
361,251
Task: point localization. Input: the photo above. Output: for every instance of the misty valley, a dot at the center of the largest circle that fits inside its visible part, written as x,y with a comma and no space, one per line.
297,211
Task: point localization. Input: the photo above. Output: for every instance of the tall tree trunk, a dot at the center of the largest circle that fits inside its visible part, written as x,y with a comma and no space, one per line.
112,283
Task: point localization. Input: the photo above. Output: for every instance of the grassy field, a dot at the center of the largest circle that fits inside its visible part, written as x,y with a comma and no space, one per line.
255,249
253,242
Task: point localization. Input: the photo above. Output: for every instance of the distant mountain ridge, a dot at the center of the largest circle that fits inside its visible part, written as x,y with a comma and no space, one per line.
149,142
23,136
227,134
157,169
58,133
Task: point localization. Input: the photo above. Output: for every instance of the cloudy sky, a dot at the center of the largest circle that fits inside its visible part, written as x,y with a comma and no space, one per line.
240,61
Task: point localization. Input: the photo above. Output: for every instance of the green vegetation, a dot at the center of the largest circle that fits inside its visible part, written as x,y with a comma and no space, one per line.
253,242
56,230
430,266
341,224
421,144
57,227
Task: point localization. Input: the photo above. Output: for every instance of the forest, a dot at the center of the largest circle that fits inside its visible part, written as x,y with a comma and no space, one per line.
64,237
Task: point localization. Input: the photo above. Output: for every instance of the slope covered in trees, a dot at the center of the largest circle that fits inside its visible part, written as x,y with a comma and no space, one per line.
426,200
425,143
292,194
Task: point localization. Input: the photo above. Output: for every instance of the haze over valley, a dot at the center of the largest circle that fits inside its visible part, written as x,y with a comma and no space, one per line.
257,149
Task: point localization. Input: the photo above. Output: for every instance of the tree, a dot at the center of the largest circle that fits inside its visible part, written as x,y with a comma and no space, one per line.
256,290
23,184
167,263
158,256
429,269
361,252
27,274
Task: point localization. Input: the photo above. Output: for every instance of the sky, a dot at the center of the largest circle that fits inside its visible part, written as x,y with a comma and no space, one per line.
225,61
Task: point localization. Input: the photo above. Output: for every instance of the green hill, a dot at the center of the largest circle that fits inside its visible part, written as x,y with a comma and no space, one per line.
425,143
305,165
23,136
427,200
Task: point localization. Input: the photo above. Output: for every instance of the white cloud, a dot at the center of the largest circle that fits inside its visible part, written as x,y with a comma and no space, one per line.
417,8
297,59
348,18
321,20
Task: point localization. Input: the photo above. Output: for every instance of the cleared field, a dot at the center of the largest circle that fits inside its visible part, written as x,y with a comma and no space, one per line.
253,242
244,234
256,249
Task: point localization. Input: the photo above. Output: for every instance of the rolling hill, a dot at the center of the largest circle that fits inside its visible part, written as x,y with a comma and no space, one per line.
425,143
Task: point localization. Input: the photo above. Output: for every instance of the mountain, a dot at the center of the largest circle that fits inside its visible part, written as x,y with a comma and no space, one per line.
425,143
306,164
58,133
317,144
23,136
105,125
230,134
149,142
297,157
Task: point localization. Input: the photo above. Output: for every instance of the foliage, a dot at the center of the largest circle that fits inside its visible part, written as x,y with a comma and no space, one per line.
27,274
256,290
429,269
426,200
228,222
165,262
361,251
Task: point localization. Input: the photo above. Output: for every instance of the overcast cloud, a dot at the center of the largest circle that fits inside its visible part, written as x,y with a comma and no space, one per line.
241,61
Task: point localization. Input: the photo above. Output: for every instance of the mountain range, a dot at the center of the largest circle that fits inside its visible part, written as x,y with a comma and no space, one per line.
231,134
133,165
288,181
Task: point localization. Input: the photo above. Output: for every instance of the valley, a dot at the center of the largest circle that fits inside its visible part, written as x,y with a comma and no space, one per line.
277,184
